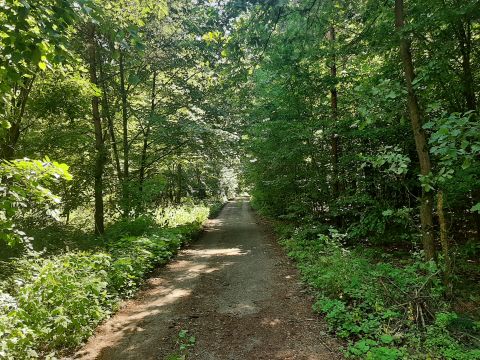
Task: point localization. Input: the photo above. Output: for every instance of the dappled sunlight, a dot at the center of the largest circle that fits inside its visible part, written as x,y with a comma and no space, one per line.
164,297
217,252
241,309
197,270
214,225
136,319
171,287
223,279
271,322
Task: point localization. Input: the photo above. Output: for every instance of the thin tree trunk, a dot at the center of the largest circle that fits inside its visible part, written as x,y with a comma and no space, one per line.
146,134
178,199
99,140
334,108
123,93
18,110
464,33
108,116
475,214
426,213
445,243
465,41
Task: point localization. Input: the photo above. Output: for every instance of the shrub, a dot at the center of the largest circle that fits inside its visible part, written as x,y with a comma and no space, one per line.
58,302
136,256
215,209
129,227
175,216
383,311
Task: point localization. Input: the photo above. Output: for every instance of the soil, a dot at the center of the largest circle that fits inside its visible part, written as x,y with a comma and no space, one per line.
234,290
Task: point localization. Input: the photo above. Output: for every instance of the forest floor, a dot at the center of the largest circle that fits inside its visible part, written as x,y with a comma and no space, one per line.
234,290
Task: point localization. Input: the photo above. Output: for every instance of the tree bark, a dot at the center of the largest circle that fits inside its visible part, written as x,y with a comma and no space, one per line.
108,117
426,213
123,93
331,35
99,139
18,110
126,168
146,134
464,33
447,274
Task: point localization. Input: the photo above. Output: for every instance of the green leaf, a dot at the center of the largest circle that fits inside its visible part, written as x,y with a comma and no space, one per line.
386,339
5,124
134,79
475,208
387,213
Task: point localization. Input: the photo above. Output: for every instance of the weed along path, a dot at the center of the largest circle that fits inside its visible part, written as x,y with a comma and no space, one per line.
233,290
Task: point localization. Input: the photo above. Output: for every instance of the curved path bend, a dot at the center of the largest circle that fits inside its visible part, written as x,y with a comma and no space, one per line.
233,289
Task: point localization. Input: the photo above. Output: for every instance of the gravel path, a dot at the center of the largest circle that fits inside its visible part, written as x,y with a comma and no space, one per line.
234,290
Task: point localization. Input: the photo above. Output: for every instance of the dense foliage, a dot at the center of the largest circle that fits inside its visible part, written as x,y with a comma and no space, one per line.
384,310
124,93
362,117
122,96
358,126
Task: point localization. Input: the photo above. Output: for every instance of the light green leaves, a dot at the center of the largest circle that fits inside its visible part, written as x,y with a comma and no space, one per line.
185,341
475,208
25,184
386,338
455,138
4,124
390,160
213,36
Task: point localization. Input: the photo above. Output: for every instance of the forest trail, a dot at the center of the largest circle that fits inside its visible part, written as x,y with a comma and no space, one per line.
233,289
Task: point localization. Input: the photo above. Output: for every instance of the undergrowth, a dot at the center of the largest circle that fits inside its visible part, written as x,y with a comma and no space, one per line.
382,311
53,303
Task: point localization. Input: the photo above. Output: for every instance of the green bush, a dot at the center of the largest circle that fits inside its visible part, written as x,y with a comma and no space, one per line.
180,215
58,302
383,311
442,337
136,256
128,227
215,209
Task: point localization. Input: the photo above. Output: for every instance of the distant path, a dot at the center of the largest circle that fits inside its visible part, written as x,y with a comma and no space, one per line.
234,290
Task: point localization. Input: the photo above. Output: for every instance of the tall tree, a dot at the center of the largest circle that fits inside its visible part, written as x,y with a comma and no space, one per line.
99,137
421,143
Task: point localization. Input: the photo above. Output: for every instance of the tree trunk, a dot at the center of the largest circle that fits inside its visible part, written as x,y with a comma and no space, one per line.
334,107
18,110
123,93
464,33
426,214
445,244
99,140
146,134
108,116
475,214
178,199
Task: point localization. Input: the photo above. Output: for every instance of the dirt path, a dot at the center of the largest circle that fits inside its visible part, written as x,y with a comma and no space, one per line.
234,290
